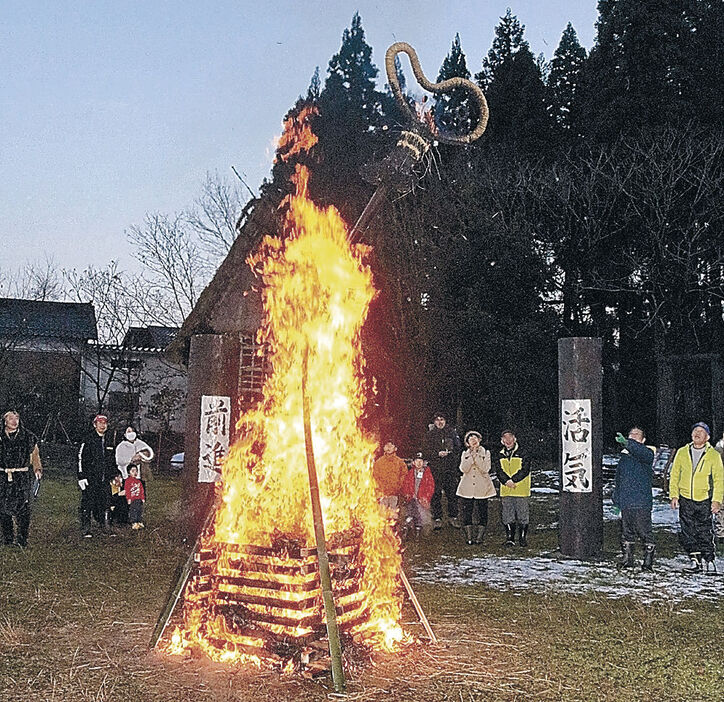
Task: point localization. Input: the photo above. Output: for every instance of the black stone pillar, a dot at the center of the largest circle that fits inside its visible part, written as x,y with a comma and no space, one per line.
580,377
213,370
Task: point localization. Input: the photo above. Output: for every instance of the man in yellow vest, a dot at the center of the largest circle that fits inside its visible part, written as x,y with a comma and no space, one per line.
696,488
513,471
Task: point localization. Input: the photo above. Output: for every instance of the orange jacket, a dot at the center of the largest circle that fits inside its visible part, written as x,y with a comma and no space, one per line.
389,471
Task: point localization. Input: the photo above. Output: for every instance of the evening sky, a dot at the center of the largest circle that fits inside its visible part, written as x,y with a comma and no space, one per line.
113,109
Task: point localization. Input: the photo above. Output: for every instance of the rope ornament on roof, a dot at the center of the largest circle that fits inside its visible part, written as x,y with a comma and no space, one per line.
445,86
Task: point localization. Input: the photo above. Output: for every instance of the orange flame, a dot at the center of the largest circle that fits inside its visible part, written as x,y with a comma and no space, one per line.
298,135
317,291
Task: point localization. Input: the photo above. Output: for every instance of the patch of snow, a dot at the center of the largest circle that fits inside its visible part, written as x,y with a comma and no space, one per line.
547,574
544,491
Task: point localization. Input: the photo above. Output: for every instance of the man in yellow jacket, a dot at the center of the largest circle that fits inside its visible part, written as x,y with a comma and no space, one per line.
696,488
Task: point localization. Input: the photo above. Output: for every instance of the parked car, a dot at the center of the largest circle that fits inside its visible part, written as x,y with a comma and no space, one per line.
662,463
177,462
608,465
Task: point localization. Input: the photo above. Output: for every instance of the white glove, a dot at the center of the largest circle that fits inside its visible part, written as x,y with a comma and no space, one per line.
83,484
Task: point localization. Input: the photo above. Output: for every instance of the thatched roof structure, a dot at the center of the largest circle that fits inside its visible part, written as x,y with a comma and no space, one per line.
230,303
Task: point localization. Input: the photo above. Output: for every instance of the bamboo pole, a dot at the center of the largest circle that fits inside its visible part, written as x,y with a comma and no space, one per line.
418,607
178,588
335,648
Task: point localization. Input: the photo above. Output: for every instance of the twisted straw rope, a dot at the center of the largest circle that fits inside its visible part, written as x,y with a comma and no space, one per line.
445,86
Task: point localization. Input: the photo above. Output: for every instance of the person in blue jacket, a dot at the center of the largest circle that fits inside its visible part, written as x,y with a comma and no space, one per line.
632,495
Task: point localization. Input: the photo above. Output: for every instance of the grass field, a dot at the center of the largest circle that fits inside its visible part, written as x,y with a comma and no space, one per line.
76,616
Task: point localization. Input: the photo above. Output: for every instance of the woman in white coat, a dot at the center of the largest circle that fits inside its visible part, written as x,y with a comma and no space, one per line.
476,486
132,450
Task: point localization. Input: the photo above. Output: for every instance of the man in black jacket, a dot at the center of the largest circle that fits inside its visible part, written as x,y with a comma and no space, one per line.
442,452
19,467
96,468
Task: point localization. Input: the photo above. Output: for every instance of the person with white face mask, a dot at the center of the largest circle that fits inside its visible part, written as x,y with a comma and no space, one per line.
132,451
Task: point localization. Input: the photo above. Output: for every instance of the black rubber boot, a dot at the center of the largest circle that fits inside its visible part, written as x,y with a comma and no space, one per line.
648,564
509,535
523,538
480,535
7,527
695,566
627,548
469,534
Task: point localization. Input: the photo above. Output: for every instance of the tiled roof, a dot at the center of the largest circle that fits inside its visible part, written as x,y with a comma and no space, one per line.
57,320
152,337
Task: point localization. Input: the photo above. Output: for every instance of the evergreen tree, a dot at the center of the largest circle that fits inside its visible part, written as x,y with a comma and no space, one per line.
635,77
454,111
513,82
350,89
703,78
314,86
508,41
564,77
351,111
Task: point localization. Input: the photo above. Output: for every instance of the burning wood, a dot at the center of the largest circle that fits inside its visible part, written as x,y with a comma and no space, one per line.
255,592
266,602
257,582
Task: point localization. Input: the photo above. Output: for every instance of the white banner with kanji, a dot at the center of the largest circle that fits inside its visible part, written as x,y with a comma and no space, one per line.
576,457
214,436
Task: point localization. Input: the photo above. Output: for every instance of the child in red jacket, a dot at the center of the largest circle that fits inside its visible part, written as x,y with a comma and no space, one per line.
417,490
135,496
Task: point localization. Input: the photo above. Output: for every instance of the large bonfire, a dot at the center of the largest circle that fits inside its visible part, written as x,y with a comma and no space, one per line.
316,293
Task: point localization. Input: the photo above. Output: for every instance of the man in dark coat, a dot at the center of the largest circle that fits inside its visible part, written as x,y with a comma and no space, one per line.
96,468
19,468
632,495
442,448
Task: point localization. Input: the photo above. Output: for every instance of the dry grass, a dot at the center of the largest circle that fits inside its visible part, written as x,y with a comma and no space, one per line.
76,616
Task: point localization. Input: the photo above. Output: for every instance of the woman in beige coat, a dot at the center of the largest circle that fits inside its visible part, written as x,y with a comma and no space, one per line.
476,486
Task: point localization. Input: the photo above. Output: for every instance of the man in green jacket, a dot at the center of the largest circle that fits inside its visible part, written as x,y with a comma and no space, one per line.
696,488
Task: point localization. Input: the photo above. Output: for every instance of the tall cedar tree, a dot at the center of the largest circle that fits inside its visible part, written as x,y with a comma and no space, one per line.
508,41
350,107
513,82
635,76
704,61
564,78
315,86
454,112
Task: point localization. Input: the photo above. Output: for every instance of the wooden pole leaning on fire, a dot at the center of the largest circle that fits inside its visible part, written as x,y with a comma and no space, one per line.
180,583
398,171
325,580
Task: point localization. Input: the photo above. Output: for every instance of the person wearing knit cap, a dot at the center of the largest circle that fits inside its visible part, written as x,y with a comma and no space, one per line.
417,490
632,496
696,489
513,471
476,486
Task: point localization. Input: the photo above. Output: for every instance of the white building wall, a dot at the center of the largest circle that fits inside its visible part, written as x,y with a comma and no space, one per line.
110,372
